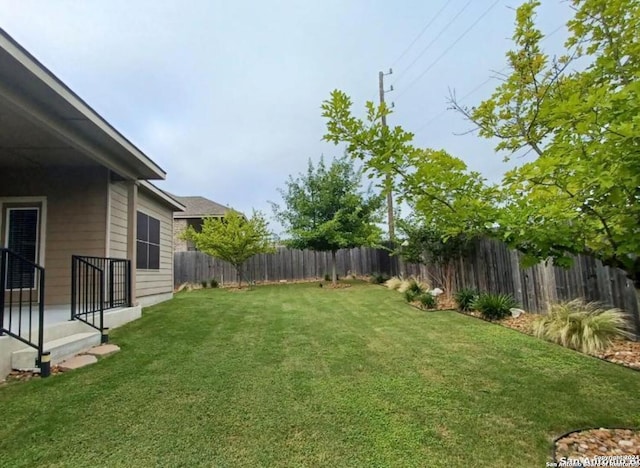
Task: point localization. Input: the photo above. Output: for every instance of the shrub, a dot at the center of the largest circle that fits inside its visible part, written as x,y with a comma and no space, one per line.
428,300
393,283
586,326
464,298
378,278
416,287
214,283
327,277
203,283
411,295
494,306
413,284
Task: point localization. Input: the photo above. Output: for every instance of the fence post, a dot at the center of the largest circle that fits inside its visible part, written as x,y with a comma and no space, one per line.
74,292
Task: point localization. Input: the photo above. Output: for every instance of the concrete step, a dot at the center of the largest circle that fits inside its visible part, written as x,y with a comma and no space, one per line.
60,349
76,362
103,350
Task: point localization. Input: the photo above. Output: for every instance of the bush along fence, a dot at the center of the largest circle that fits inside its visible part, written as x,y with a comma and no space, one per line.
489,266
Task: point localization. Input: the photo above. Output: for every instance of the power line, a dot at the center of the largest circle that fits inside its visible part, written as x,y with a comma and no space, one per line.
479,86
480,18
444,5
433,41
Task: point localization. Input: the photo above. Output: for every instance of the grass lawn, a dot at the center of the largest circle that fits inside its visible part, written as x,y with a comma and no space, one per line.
296,375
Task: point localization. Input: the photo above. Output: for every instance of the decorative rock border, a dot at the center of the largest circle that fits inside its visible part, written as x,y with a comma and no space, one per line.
592,442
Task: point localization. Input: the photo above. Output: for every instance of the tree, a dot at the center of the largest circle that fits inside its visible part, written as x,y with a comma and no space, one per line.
325,210
439,187
426,243
234,239
580,115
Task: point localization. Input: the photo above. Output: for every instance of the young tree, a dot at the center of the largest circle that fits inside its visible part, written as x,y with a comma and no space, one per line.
426,243
234,239
325,210
581,120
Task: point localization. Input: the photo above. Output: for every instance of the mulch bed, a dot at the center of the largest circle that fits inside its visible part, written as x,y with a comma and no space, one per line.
444,304
24,376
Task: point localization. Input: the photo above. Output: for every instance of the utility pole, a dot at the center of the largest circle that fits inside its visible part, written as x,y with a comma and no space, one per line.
390,223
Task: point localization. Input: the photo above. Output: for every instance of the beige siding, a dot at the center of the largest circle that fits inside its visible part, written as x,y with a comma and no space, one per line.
76,211
150,282
118,220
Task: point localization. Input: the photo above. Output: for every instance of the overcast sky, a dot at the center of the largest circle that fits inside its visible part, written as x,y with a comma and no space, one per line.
226,96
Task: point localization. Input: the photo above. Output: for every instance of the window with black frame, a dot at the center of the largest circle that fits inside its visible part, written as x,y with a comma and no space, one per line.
148,242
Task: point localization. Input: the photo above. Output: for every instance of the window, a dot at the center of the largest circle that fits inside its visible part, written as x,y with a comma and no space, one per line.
22,238
148,243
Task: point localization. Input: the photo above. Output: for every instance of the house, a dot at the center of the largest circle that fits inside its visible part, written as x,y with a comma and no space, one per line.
196,209
86,239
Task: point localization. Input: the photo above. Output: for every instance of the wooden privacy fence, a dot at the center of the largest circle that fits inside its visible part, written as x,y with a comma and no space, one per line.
489,266
284,264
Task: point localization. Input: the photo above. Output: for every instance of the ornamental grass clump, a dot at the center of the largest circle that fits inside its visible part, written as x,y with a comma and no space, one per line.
493,306
585,326
464,298
413,284
393,283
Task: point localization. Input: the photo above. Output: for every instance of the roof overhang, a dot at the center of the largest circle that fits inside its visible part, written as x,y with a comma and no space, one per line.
197,216
161,195
29,90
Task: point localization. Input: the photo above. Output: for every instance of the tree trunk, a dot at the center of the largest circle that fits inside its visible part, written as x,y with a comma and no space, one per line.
334,278
239,275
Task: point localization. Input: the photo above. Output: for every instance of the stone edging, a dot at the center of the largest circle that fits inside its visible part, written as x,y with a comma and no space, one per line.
576,431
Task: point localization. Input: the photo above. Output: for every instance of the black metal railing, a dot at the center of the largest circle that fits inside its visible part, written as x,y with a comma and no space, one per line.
22,304
98,284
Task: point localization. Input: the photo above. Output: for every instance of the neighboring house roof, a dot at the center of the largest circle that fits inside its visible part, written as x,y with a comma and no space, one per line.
199,207
29,88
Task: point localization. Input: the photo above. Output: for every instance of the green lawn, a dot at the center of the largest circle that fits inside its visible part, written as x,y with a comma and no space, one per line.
296,375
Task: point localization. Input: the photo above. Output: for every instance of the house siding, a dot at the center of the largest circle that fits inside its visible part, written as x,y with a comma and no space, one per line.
156,282
76,211
118,219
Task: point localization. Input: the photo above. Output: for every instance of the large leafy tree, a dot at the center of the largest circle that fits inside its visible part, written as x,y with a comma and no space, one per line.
580,115
438,186
234,239
326,210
